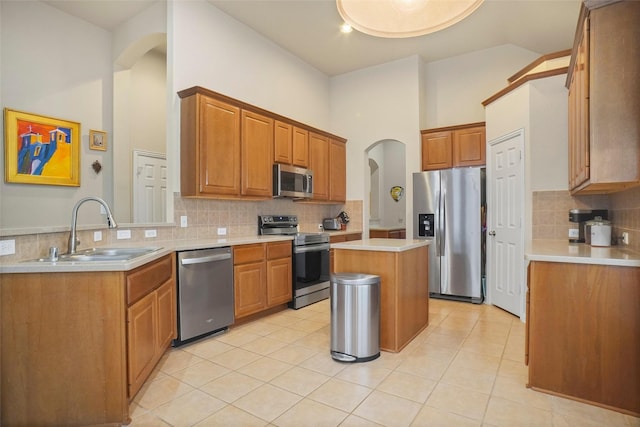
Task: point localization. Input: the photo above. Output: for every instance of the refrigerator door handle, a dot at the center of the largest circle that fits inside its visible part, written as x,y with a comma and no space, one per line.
437,224
443,222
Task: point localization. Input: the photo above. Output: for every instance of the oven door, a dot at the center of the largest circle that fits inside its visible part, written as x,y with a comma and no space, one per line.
310,268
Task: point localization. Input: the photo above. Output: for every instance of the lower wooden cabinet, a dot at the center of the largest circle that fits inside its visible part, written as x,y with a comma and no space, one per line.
583,333
337,238
151,320
262,277
399,233
76,346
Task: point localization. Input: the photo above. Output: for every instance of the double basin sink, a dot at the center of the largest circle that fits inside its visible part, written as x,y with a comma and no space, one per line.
103,254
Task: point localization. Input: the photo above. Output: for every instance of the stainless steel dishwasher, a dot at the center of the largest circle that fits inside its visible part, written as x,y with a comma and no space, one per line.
205,293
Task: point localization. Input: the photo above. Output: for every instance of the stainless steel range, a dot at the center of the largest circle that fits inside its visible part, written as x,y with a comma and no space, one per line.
310,258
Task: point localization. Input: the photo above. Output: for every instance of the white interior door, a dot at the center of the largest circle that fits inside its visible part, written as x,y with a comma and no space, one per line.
505,240
149,187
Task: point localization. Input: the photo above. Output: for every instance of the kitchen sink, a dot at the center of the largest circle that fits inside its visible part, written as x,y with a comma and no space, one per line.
104,254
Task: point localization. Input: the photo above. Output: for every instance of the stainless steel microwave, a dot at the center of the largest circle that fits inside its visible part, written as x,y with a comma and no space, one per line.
291,181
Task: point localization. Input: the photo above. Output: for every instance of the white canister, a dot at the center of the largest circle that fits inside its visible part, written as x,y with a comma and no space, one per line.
600,233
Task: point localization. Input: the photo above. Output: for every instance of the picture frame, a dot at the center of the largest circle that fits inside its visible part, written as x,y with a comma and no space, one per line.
97,140
41,150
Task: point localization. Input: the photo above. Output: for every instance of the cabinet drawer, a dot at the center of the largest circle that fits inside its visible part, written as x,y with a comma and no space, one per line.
279,250
248,253
148,277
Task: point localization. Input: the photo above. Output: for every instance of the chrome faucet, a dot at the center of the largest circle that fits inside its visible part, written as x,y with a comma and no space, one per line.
73,239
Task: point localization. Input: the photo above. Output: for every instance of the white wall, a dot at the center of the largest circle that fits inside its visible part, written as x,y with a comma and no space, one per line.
140,117
56,65
456,87
375,104
210,49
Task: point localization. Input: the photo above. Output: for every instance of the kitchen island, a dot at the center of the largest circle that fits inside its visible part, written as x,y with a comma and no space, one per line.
583,323
404,289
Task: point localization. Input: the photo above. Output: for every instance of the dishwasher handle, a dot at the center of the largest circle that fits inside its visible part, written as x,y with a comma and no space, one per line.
210,258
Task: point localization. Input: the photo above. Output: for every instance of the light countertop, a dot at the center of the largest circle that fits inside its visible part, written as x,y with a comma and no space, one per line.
382,245
580,253
386,228
165,247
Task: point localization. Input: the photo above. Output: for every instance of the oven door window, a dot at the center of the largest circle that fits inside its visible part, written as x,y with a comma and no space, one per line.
311,268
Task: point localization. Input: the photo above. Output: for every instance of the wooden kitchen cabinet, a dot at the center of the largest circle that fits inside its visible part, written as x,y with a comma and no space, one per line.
282,142
604,130
209,147
262,276
399,233
291,145
279,273
454,146
256,154
337,171
67,350
583,333
336,238
319,164
300,147
151,320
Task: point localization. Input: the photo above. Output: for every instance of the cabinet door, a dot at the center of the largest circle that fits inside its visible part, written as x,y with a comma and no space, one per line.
579,114
219,147
469,147
249,288
257,148
437,150
319,164
279,288
300,147
166,324
141,341
338,171
282,142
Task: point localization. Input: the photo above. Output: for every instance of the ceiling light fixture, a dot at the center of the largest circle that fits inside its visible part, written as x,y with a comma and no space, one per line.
404,18
345,28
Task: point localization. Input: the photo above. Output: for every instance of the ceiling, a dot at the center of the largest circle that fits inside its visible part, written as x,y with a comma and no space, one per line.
310,29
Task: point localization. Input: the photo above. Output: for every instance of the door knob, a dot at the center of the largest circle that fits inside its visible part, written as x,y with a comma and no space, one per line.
492,233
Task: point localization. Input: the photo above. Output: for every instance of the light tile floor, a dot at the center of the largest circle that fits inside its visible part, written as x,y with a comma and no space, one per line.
466,369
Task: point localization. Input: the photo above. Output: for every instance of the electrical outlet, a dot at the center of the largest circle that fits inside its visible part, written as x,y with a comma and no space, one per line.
123,234
183,221
574,233
222,231
150,233
97,236
625,238
7,247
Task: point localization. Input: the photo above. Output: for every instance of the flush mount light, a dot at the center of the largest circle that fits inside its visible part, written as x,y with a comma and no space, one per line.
404,18
345,28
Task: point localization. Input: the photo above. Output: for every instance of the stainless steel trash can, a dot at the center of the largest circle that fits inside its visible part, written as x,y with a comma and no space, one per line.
355,317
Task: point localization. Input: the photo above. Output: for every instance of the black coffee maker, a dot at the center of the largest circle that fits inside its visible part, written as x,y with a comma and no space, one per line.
581,216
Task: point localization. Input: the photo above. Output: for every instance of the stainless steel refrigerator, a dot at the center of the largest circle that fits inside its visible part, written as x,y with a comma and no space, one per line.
449,208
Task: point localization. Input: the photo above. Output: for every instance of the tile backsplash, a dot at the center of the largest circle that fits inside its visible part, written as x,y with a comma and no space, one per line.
551,213
204,218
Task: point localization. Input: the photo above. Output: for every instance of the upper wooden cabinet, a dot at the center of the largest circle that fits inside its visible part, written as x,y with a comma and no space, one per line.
282,142
454,146
337,171
300,148
319,164
210,147
604,106
257,149
291,145
227,149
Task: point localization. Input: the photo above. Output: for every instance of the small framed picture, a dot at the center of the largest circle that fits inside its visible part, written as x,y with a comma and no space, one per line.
98,140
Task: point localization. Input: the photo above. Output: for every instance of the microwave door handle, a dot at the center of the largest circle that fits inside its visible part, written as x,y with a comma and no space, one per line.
309,187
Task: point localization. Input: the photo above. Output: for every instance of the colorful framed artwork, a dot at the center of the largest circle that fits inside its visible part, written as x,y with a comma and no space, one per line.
41,150
97,140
